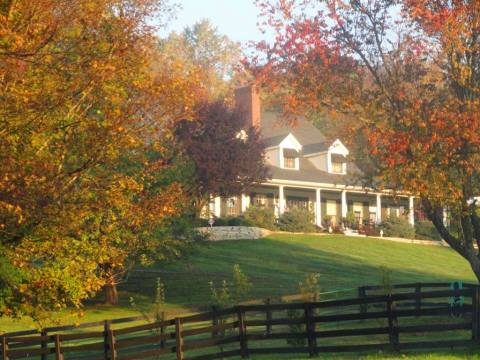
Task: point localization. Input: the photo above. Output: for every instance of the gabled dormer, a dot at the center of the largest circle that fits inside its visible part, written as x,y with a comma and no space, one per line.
284,152
337,158
289,153
331,158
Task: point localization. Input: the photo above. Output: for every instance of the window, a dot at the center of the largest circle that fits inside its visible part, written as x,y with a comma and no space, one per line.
289,162
260,200
337,167
232,206
297,202
332,213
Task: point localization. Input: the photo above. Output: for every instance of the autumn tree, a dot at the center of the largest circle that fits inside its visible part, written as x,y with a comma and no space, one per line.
203,47
228,157
81,108
408,72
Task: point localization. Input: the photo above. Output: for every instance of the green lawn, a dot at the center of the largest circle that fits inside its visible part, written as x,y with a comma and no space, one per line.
471,354
275,265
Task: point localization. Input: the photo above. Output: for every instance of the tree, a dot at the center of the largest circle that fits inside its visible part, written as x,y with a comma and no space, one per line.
227,157
81,110
203,47
408,72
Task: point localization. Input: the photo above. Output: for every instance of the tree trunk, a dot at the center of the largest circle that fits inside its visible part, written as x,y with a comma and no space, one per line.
468,233
111,294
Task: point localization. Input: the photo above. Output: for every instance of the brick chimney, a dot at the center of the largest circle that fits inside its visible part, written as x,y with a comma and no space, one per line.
247,101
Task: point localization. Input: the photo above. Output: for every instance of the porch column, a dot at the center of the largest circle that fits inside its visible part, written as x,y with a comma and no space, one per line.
379,209
217,207
344,204
318,208
445,216
211,207
281,200
411,211
245,202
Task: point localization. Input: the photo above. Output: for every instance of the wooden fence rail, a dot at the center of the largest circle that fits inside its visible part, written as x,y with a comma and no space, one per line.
393,322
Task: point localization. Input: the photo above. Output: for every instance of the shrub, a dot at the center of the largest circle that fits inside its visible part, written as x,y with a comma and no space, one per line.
386,280
350,220
425,230
260,216
297,328
396,226
231,293
181,227
297,220
327,221
221,222
231,221
201,222
310,287
241,284
369,231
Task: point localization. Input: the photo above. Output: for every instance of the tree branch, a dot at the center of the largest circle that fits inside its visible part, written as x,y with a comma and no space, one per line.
436,216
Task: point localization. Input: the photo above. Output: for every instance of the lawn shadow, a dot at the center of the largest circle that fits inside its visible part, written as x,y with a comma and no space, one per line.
275,267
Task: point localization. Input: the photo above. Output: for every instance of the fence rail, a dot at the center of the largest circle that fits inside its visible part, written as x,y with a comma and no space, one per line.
369,322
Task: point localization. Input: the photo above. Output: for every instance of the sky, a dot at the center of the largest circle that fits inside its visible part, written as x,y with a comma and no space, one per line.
235,18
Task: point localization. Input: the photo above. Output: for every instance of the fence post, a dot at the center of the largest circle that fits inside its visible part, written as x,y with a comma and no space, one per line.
392,324
162,330
476,314
242,332
362,294
44,344
106,329
178,338
268,316
111,345
310,328
58,348
214,320
418,299
4,347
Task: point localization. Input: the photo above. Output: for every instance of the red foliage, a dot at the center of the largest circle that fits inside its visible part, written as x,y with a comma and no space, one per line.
226,160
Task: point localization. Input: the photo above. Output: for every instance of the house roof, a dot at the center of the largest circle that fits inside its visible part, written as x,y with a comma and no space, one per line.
316,148
308,172
274,129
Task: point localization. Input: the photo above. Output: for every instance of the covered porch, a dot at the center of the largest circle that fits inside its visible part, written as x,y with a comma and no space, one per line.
329,204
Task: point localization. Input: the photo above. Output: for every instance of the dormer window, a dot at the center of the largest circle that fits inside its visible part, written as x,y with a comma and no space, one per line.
290,159
289,162
339,164
337,167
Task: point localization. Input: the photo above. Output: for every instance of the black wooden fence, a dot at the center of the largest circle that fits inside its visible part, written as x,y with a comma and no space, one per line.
391,322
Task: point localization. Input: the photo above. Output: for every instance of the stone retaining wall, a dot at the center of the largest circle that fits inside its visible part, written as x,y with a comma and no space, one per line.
217,233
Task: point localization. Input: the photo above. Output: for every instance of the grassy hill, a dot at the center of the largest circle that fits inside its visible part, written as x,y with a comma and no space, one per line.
275,266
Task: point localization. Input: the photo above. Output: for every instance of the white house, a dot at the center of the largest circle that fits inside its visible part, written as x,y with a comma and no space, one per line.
308,171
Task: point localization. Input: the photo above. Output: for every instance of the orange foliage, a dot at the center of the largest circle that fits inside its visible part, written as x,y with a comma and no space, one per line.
82,104
407,76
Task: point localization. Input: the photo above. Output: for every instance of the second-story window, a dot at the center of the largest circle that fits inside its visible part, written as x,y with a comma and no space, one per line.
289,162
337,167
290,159
338,164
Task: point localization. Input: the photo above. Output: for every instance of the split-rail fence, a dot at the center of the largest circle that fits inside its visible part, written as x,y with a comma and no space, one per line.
428,317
